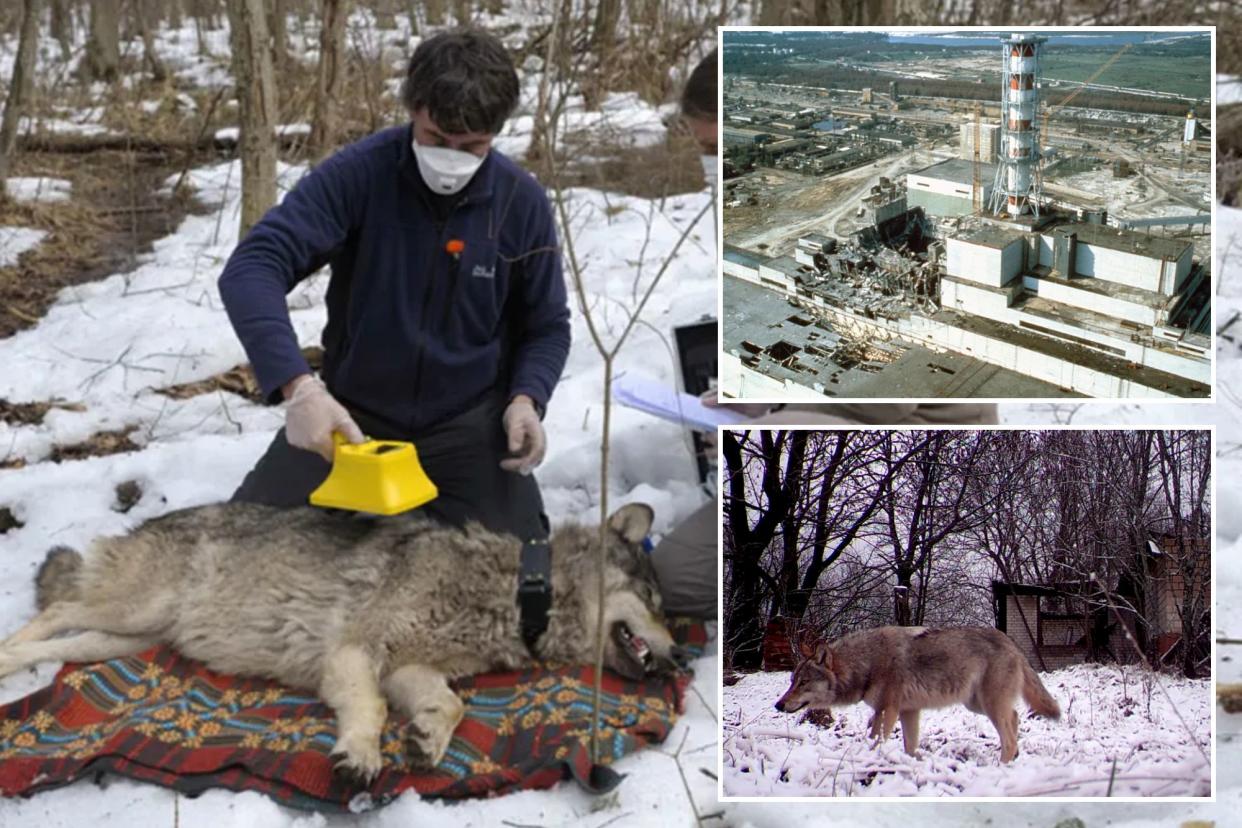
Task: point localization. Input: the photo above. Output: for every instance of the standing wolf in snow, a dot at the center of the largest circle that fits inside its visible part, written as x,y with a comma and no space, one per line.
368,613
899,674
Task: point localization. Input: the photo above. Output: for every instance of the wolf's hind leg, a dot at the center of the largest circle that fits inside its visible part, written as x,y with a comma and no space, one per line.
1005,719
130,618
910,730
51,621
350,686
87,646
423,694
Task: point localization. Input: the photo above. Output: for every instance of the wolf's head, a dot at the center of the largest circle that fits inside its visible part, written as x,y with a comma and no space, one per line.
814,683
637,642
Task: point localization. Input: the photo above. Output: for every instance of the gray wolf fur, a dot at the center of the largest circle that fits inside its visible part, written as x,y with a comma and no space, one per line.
900,671
370,614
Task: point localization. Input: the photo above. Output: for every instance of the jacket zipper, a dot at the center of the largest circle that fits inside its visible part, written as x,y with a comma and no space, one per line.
422,345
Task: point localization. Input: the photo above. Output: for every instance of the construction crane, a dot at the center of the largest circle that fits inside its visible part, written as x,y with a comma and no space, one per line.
976,193
1103,68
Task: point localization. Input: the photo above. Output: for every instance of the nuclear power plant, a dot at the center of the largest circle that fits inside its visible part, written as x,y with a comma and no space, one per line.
1022,247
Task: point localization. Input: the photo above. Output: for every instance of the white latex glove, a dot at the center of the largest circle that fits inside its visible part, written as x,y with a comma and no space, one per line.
311,415
527,441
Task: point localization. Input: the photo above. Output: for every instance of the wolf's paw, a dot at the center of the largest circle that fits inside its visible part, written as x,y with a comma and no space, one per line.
431,731
8,664
359,761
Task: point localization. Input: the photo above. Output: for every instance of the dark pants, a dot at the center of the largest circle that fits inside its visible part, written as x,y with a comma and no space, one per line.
461,456
687,564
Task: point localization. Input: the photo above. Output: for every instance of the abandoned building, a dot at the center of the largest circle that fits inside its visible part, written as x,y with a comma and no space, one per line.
1138,618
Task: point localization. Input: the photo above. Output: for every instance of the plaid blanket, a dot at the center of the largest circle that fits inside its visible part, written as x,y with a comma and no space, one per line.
166,719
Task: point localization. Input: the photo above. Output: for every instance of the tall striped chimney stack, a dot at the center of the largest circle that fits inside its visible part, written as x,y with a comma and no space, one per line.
1018,189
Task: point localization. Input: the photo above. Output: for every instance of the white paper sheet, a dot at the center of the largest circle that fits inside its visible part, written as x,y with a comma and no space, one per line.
660,400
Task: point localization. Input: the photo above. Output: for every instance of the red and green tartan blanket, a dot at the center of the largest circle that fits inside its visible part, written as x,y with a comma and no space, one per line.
165,719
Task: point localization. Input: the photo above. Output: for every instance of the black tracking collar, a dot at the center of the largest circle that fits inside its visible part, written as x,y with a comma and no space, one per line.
534,590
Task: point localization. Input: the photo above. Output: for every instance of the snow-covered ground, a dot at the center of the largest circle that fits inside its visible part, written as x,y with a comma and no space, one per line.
1156,728
38,189
1135,197
14,241
1228,90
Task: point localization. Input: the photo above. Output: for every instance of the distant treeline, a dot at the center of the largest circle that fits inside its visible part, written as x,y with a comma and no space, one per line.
838,77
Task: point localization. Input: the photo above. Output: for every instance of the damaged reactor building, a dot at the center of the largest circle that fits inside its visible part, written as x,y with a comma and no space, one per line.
1008,294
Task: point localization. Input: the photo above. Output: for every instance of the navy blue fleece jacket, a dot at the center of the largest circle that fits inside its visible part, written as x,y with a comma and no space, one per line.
416,334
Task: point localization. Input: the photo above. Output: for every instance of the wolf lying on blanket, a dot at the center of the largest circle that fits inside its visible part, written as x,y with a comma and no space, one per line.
367,613
899,671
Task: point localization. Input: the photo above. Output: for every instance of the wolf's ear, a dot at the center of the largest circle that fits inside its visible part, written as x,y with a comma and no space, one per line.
823,654
632,522
806,648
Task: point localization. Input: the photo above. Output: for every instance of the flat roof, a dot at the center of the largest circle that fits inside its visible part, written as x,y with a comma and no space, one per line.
988,235
1104,287
742,256
921,372
763,318
1076,354
959,171
786,264
1128,241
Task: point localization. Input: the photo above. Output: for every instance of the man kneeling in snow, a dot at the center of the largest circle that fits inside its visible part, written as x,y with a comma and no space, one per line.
447,316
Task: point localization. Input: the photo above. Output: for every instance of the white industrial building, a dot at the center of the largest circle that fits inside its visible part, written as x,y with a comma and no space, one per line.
947,188
1089,285
1082,307
989,140
810,245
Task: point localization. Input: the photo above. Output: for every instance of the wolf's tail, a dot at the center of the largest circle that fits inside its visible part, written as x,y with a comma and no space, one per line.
57,578
1037,696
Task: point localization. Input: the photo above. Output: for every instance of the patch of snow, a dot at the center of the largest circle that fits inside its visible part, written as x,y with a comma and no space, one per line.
61,126
623,119
226,134
14,241
29,190
1228,89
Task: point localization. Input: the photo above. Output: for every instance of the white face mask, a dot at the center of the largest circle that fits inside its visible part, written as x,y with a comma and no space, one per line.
709,169
446,170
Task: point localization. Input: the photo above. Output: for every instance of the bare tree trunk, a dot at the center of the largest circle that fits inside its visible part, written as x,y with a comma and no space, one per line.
435,12
773,12
411,11
62,27
604,31
199,27
103,49
20,90
324,126
541,143
385,14
750,584
174,14
278,24
461,10
144,13
256,92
